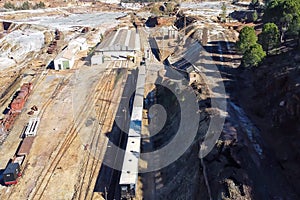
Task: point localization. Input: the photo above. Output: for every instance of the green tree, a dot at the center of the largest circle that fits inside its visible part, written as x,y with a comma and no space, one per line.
247,38
39,5
254,16
284,13
25,6
254,4
224,12
253,56
9,5
269,38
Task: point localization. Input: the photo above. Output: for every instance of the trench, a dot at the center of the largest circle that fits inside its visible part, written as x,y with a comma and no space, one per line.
107,183
183,178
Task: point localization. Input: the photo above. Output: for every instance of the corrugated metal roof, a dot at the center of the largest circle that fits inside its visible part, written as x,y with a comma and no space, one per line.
121,40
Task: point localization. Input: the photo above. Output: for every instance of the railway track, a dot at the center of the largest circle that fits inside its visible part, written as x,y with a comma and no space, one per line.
43,182
95,153
95,158
108,176
102,91
36,83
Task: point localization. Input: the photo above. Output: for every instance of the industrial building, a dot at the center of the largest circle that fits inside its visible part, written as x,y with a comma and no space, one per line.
66,59
119,45
81,42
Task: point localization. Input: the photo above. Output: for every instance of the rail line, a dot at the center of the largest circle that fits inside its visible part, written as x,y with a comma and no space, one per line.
43,182
98,155
102,90
104,103
59,87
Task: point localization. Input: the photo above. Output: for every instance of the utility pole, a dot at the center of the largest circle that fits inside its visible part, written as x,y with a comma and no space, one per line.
184,24
163,49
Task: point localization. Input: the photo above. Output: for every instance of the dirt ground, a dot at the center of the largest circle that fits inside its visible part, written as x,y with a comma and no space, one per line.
77,107
59,155
278,124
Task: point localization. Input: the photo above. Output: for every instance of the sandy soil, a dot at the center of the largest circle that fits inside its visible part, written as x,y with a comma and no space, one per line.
61,96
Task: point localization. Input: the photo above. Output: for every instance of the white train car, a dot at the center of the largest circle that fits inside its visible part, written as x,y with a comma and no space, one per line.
31,128
129,174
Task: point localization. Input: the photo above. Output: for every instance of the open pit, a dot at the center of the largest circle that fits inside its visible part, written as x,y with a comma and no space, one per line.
79,108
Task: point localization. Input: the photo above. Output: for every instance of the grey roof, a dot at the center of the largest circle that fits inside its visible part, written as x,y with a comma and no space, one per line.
120,40
137,110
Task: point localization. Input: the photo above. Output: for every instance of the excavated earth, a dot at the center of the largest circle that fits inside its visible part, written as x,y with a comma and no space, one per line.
274,105
247,162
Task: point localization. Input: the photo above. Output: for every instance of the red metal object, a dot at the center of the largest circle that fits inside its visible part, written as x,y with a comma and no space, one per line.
16,106
25,146
57,34
52,47
9,120
11,182
19,102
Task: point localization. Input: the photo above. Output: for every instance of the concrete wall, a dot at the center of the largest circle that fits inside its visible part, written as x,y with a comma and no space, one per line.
96,60
82,46
115,55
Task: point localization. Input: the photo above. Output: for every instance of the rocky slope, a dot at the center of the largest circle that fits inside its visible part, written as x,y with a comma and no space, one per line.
274,105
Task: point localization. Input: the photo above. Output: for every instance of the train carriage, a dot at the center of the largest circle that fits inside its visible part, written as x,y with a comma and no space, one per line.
129,174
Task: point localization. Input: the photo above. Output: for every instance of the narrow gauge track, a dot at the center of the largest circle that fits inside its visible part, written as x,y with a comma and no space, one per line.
95,170
107,180
46,175
94,159
58,88
103,102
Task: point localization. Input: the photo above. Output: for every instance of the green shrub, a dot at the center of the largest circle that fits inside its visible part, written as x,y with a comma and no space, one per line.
9,5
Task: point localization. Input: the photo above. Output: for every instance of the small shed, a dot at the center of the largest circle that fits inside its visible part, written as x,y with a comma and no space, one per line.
66,59
81,42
